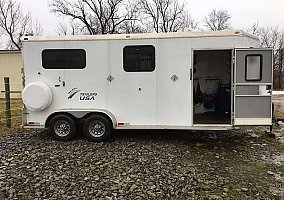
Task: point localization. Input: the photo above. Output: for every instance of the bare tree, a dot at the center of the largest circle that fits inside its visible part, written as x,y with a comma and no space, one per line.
132,26
255,29
279,59
217,20
268,36
95,16
63,29
14,23
189,22
164,15
281,63
134,22
69,28
124,16
34,28
271,37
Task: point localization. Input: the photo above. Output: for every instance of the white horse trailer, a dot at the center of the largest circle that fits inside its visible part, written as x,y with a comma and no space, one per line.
185,80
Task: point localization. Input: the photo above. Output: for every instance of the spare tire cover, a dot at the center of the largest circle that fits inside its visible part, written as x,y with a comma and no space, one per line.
37,96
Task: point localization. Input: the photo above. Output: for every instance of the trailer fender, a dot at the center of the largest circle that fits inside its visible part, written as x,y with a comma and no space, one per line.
106,113
83,114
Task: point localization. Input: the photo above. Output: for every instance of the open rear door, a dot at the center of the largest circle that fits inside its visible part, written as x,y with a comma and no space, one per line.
252,86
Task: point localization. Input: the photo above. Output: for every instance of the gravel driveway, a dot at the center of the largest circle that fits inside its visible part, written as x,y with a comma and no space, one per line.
143,165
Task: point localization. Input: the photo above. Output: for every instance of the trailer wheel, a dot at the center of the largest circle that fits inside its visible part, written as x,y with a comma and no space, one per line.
97,128
62,127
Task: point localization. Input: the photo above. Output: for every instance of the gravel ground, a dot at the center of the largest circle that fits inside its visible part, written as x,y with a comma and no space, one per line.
244,164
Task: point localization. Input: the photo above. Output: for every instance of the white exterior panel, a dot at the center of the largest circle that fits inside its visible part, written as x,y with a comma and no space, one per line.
174,97
131,95
133,99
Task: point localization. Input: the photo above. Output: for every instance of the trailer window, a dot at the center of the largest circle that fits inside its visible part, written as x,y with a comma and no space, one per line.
139,58
64,58
253,67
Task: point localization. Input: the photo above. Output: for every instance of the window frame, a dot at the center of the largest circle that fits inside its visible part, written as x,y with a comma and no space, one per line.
153,61
260,70
83,66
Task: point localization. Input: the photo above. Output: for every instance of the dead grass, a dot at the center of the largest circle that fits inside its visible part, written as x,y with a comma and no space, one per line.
16,119
278,101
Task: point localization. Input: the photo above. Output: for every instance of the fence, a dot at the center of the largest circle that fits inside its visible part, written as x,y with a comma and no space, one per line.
10,108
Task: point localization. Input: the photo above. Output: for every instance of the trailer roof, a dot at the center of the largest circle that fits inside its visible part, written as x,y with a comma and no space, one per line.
187,34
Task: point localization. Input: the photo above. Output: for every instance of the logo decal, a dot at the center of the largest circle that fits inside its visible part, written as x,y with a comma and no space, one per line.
73,92
87,96
84,96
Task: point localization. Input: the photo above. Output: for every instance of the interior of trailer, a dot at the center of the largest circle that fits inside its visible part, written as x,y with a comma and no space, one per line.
212,72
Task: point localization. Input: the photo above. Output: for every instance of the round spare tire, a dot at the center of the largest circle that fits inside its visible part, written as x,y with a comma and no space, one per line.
37,96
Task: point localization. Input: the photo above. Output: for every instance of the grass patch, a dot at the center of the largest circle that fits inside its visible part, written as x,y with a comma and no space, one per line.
278,106
16,116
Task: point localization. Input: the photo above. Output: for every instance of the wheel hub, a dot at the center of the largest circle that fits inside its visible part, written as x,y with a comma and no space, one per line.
62,128
97,128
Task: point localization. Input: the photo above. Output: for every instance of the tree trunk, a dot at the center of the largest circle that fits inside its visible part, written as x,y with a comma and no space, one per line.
280,69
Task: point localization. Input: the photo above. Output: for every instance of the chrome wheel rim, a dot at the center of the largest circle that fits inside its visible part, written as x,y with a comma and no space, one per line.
97,128
62,128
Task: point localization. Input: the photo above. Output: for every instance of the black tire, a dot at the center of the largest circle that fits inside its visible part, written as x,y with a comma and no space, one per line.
62,127
97,128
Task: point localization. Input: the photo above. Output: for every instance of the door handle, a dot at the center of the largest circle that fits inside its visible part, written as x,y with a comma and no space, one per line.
268,87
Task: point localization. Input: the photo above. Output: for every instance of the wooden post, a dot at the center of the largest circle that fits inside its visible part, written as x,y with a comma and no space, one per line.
8,102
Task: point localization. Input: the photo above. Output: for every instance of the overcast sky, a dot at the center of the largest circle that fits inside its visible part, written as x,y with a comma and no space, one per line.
244,12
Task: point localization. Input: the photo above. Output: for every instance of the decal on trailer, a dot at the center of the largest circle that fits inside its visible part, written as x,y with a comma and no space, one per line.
73,92
87,96
84,96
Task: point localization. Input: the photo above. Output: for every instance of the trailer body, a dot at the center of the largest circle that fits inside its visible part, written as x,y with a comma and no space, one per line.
186,80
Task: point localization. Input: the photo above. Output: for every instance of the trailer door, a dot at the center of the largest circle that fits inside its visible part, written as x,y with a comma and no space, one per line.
253,87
